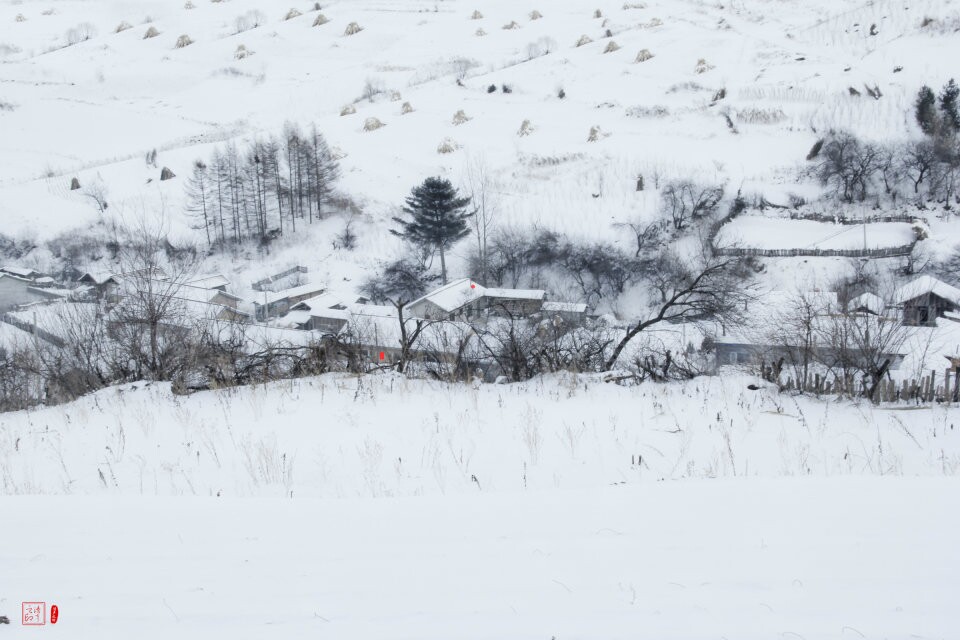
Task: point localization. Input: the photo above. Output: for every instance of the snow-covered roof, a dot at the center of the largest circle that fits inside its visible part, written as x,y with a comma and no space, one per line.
321,302
98,277
869,301
454,295
23,272
202,294
209,281
16,278
516,294
565,307
275,296
927,284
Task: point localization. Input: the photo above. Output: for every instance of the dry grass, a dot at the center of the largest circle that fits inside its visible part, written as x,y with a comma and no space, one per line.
123,26
447,145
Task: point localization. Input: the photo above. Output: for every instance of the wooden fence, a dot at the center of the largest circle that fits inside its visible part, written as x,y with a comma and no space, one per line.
838,219
936,387
33,329
882,252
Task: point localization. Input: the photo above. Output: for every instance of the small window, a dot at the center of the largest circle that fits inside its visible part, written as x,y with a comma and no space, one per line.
733,357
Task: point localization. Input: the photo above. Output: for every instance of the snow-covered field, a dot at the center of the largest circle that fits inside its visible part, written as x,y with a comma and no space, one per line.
564,508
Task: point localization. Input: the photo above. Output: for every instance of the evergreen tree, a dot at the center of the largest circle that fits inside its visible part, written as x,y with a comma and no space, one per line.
437,218
949,114
925,110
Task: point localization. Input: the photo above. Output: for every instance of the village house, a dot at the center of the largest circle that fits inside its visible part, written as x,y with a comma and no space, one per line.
464,299
16,291
276,303
925,299
210,281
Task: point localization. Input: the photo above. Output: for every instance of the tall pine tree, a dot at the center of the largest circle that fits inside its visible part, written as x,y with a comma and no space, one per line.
438,219
925,110
949,114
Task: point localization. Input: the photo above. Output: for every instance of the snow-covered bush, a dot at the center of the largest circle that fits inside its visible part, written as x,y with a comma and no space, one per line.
447,145
320,20
535,15
80,33
406,108
189,5
293,13
596,134
597,13
249,20
480,32
183,41
123,26
348,110
242,52
372,124
702,66
352,29
525,129
151,33
584,39
611,47
476,15
20,18
511,25
643,56
460,117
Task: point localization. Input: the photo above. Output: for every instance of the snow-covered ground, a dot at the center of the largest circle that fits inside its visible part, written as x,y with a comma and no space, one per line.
832,559
381,507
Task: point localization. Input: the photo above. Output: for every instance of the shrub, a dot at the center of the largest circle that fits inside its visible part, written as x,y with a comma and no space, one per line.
372,124
20,18
476,15
447,145
348,110
189,5
151,33
535,15
598,14
702,66
80,33
595,134
249,20
320,20
242,52
584,39
183,41
406,108
656,22
123,26
525,129
492,88
643,56
611,47
371,89
395,96
480,32
460,117
352,29
293,13
511,25
506,88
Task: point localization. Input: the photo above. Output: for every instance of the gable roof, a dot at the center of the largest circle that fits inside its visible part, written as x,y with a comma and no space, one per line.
99,277
275,296
209,281
22,272
565,307
869,301
516,294
322,302
924,285
454,295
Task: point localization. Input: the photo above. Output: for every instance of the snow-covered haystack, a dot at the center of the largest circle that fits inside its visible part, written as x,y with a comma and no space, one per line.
293,13
348,110
372,124
584,39
702,66
123,26
167,174
596,134
352,29
183,41
656,22
189,5
511,25
406,108
460,117
20,18
597,13
525,129
151,33
643,56
447,145
535,15
611,47
480,32
74,184
395,96
242,52
476,15
320,20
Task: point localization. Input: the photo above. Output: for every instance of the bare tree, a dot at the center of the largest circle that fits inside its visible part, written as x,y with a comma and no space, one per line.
479,186
848,166
696,290
683,201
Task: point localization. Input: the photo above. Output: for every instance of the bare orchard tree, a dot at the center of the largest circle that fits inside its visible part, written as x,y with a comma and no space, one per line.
848,166
700,289
864,344
795,332
683,201
481,189
150,320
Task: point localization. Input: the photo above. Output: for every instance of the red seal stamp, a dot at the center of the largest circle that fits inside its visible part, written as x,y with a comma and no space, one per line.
33,613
